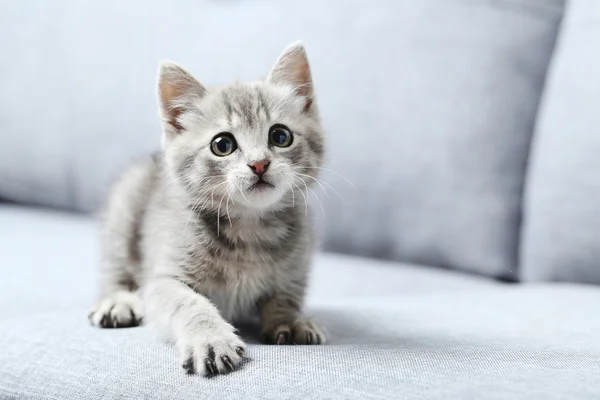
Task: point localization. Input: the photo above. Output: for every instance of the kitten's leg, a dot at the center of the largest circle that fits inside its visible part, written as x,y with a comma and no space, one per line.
120,304
282,322
206,342
121,272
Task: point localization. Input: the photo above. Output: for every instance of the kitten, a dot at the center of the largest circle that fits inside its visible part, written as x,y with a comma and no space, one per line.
215,227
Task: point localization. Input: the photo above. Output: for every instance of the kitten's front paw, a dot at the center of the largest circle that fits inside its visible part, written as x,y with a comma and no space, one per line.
212,351
300,331
119,310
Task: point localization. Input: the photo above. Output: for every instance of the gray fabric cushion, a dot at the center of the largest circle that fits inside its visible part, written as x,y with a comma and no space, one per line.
435,129
561,239
525,343
57,254
410,333
429,106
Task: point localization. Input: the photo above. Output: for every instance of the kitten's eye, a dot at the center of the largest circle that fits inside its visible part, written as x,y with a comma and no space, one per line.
280,136
223,144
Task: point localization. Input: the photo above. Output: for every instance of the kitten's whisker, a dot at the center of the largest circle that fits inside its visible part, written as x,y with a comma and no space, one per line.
203,206
212,194
314,194
227,207
293,195
297,166
335,191
305,198
219,216
281,179
192,210
242,192
318,183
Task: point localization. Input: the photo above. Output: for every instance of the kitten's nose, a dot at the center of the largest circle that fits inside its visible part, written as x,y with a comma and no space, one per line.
259,167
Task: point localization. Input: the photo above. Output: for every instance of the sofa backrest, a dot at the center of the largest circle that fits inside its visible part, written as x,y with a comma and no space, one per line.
429,106
561,236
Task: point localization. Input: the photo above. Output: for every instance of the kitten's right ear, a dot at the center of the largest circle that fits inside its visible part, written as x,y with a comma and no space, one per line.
292,68
178,92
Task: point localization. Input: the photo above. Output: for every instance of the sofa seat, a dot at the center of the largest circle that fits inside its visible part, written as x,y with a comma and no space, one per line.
396,331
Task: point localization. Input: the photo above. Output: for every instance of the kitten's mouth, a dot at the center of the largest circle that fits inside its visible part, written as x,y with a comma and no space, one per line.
260,185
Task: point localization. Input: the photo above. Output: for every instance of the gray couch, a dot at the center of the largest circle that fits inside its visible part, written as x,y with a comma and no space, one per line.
459,265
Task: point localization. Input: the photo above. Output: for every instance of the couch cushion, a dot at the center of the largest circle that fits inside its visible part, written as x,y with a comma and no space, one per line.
561,237
532,343
57,253
429,106
396,331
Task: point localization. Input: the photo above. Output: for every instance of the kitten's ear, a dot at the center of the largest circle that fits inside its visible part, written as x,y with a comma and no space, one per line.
178,92
292,69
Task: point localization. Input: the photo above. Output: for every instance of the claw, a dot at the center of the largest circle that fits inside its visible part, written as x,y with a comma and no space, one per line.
227,363
211,368
210,362
309,337
282,338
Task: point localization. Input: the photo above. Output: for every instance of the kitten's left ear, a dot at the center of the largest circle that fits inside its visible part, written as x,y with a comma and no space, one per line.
292,69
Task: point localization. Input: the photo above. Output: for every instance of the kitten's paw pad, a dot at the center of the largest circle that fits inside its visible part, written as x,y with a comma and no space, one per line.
213,353
301,331
119,310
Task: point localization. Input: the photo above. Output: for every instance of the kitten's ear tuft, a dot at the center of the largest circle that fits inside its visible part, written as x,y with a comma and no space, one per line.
177,91
292,69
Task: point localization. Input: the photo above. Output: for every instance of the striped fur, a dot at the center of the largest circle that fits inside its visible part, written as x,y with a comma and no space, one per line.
189,247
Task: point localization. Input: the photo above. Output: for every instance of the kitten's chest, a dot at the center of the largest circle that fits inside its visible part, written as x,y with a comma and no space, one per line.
235,264
235,286
239,265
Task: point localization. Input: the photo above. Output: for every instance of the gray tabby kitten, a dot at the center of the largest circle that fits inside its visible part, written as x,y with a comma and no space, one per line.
215,227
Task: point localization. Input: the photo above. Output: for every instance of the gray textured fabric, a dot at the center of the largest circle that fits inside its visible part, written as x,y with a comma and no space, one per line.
529,343
561,239
429,106
57,253
408,332
437,143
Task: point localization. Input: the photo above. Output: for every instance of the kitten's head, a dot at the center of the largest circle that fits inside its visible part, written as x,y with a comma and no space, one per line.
250,144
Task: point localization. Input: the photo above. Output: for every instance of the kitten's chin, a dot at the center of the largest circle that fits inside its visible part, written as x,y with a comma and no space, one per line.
261,197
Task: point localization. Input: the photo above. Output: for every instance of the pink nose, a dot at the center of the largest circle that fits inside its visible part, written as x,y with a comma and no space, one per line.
259,167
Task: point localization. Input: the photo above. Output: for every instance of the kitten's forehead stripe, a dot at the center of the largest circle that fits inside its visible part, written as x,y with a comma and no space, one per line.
228,108
263,104
239,100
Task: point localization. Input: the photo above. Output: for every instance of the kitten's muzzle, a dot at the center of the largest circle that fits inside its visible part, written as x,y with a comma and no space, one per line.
261,184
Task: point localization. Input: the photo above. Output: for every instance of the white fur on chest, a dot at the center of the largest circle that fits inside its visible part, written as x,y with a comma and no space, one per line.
243,286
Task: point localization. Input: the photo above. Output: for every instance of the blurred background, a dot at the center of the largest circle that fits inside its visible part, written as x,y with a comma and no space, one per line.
468,130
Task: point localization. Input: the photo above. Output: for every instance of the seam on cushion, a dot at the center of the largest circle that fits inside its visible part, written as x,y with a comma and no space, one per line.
522,217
